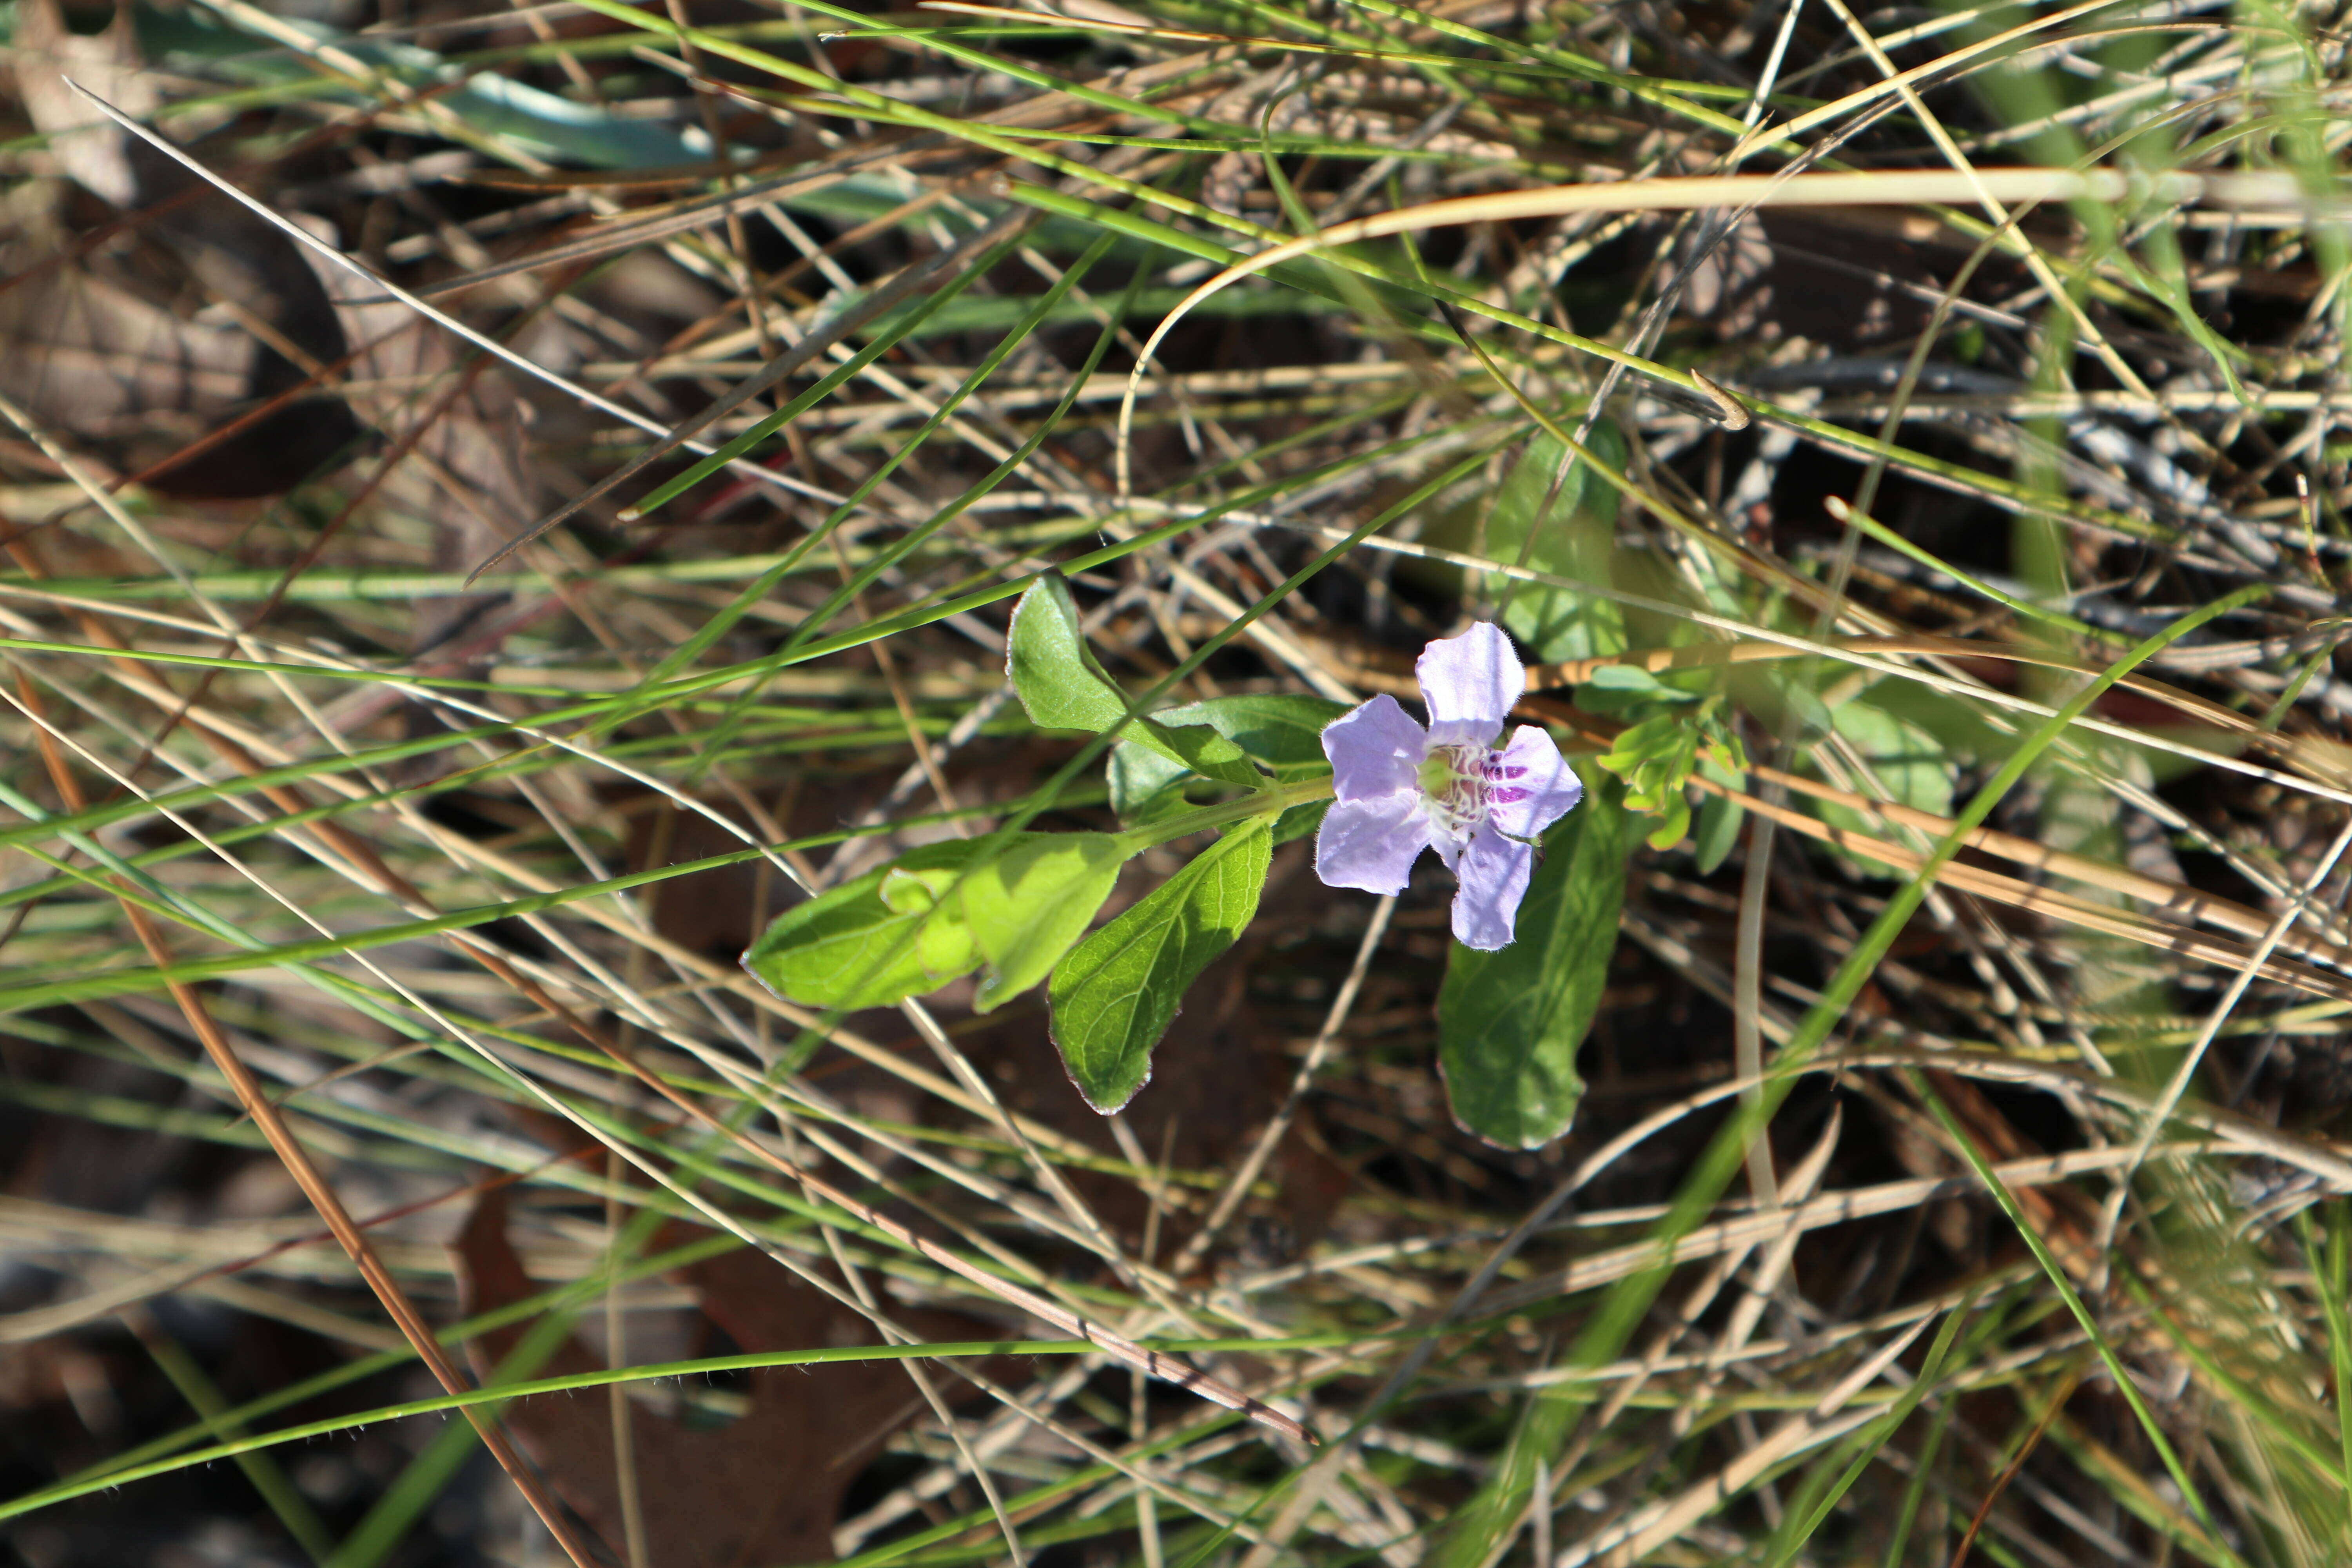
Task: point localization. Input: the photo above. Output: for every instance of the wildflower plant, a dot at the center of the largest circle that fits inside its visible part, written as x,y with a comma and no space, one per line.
1375,786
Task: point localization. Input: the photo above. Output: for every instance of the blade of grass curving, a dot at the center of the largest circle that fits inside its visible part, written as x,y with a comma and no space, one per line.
302,1391
380,1530
479,1400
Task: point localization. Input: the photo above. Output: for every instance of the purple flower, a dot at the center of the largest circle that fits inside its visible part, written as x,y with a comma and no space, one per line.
1402,789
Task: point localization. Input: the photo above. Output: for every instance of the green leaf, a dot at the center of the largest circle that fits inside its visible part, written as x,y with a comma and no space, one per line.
1283,731
1718,820
1026,907
938,913
1905,758
1059,682
1621,689
1509,1022
1718,830
943,946
1202,750
1674,821
1116,993
1909,762
876,939
1052,670
1574,538
1144,784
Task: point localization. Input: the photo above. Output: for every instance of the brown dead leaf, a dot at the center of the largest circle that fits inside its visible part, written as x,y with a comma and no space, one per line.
765,1489
471,469
145,342
87,148
145,345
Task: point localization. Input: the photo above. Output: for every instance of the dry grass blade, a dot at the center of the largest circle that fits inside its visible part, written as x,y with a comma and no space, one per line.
901,287
1817,397
315,1187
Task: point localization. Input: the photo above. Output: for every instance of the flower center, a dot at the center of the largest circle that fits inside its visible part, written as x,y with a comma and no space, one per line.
1454,784
1461,784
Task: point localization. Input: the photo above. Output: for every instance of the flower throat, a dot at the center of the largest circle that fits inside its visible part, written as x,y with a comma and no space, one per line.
1460,784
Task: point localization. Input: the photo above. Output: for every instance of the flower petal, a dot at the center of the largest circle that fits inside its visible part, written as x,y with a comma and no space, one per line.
1469,682
1374,751
1530,785
1371,844
1448,845
1494,873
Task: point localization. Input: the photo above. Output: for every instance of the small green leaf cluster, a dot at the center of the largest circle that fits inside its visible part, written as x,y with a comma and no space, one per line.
1672,733
1016,905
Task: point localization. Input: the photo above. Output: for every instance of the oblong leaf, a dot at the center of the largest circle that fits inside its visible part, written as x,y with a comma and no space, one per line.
1053,672
1509,1022
1060,684
1115,996
1719,831
877,939
1574,537
1281,729
1026,907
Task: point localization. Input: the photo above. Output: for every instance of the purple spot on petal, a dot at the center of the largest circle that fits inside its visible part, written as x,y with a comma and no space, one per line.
1506,796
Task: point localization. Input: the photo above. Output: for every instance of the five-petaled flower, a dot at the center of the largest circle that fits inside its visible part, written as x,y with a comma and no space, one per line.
1402,789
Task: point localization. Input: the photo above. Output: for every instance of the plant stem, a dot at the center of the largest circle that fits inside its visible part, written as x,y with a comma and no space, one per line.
1267,801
